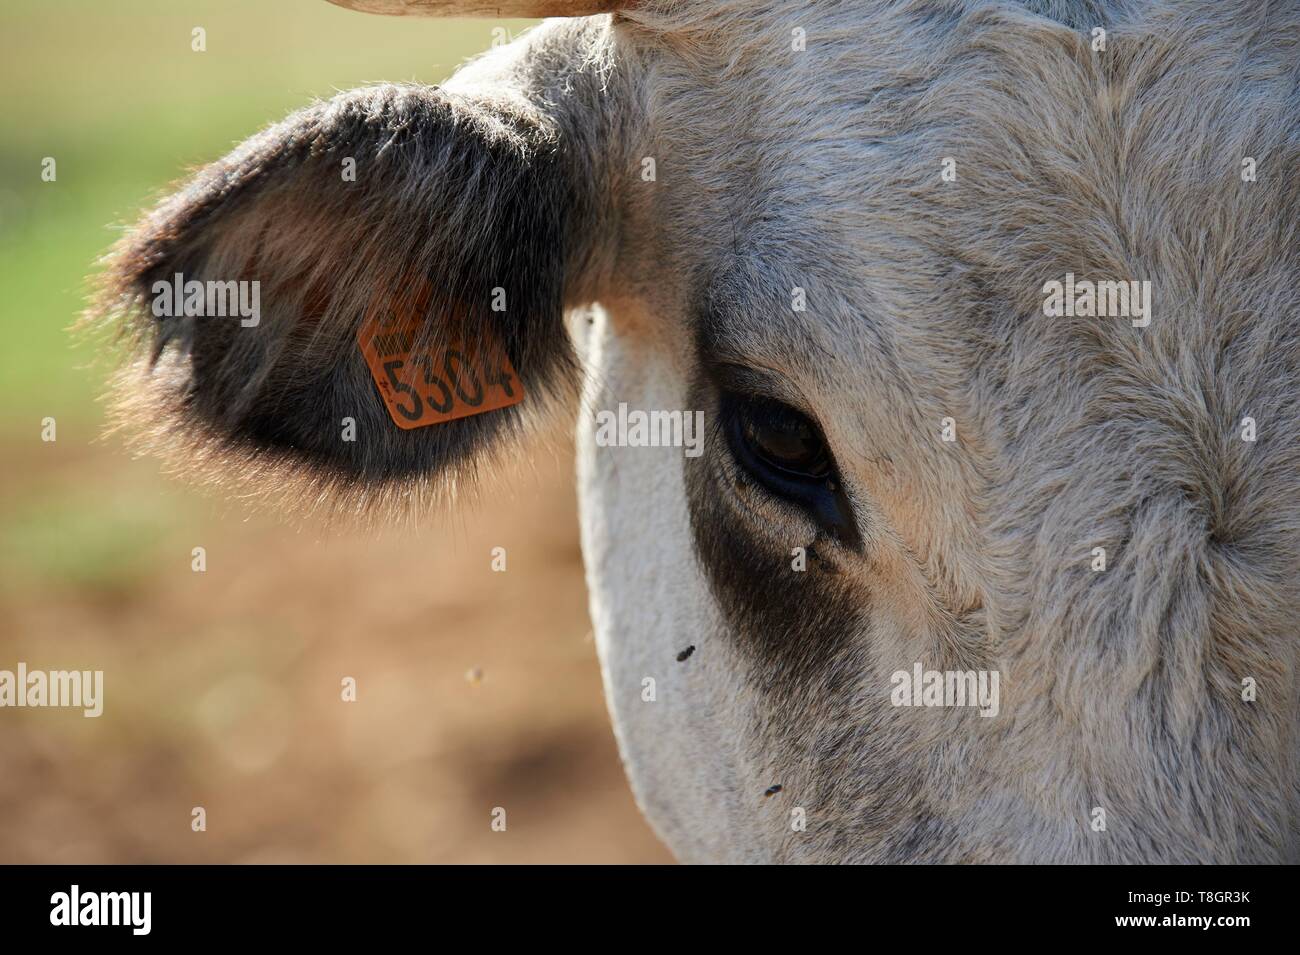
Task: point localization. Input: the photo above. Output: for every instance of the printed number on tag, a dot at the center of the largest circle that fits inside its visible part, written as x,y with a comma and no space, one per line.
439,383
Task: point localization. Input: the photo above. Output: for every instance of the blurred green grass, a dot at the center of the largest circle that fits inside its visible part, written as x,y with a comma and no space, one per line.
115,94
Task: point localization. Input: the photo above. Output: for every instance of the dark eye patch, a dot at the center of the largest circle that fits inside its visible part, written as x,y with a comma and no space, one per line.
796,623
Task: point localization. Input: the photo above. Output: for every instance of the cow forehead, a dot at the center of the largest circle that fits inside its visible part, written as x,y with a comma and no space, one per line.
805,189
800,184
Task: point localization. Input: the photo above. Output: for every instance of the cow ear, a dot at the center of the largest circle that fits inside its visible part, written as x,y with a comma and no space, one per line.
453,227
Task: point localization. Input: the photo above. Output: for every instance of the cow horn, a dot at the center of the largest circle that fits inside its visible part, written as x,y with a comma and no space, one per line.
483,8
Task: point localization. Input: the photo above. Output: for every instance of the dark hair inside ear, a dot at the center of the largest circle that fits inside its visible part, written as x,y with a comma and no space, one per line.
457,219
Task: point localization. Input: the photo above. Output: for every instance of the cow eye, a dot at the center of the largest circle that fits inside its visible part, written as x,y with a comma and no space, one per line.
783,450
782,440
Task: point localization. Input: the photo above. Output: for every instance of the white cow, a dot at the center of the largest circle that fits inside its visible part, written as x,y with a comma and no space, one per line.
990,550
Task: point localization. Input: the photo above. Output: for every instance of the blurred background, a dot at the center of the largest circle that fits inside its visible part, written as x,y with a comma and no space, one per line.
475,689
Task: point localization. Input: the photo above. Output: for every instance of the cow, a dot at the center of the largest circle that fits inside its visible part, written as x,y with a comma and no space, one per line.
970,563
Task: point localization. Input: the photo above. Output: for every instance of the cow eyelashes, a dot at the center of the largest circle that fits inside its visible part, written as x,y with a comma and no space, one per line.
785,453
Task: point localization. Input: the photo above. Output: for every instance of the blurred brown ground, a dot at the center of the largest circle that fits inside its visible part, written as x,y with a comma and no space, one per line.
222,689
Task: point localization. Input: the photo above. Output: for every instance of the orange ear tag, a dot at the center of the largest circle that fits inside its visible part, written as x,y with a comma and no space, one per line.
436,383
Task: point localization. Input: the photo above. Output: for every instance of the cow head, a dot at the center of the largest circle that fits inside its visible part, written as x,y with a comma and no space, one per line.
831,230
